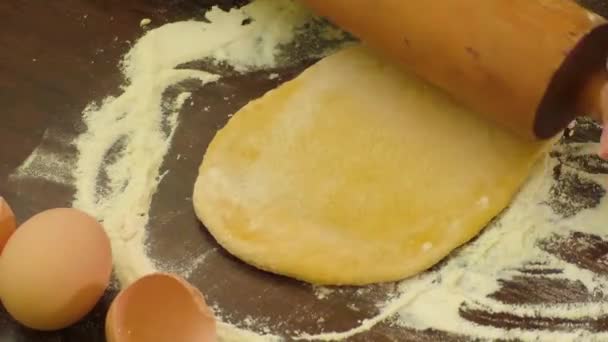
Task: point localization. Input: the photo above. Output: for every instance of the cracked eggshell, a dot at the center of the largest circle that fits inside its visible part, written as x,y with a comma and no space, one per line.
160,307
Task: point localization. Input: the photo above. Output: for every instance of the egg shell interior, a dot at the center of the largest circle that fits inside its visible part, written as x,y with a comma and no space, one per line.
160,307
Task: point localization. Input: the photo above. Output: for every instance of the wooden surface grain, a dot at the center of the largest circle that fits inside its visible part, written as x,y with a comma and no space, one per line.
58,56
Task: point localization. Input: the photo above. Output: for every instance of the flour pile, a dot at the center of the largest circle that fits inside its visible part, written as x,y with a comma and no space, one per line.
121,153
118,169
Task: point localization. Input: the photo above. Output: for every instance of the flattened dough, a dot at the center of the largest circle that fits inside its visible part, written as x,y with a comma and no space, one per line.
355,173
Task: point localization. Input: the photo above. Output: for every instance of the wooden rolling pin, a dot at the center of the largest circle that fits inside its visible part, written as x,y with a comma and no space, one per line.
530,65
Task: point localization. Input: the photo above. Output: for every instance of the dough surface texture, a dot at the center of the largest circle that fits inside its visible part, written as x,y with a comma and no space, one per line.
355,173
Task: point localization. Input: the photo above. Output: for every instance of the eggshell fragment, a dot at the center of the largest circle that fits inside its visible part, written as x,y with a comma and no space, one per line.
7,223
160,308
54,269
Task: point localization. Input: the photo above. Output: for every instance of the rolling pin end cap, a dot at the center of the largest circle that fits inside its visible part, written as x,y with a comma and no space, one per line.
576,87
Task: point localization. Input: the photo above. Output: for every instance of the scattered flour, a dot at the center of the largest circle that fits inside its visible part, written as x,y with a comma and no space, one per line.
47,162
188,265
322,292
511,243
483,202
469,277
353,307
47,165
118,161
138,131
145,22
118,169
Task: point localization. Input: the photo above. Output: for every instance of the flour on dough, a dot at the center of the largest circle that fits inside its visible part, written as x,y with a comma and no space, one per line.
355,173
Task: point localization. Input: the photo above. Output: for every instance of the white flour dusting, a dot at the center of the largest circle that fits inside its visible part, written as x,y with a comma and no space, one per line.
322,292
47,165
433,300
187,265
118,171
46,162
120,154
145,22
119,191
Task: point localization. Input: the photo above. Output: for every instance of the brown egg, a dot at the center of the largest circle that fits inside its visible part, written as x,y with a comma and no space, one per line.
7,223
160,308
54,269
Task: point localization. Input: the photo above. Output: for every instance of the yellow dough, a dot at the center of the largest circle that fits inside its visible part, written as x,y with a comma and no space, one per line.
355,173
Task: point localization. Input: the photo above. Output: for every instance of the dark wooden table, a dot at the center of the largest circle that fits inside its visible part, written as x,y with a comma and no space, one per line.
58,56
